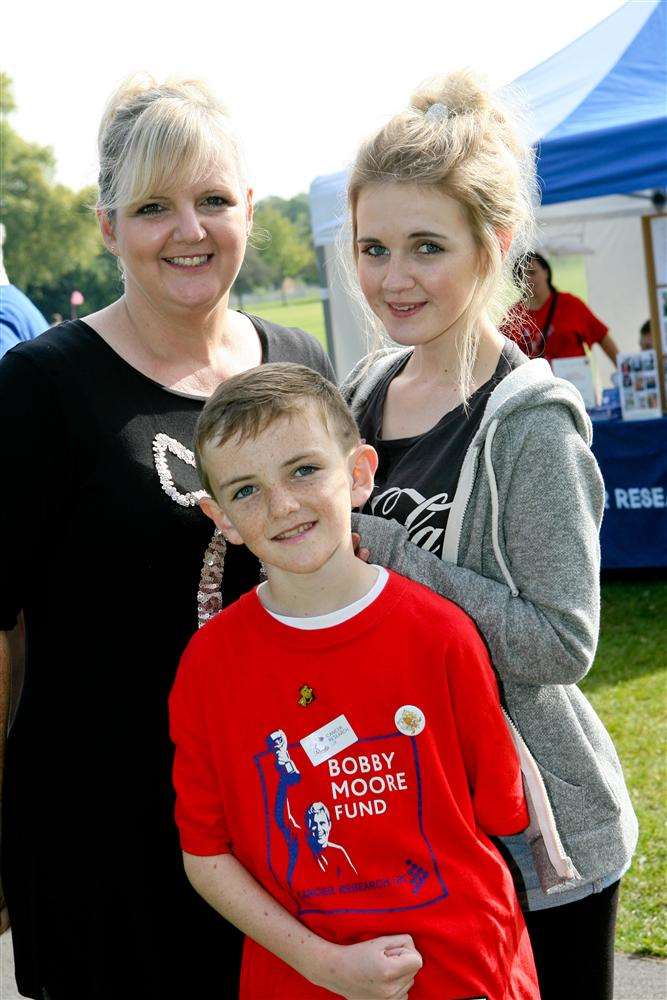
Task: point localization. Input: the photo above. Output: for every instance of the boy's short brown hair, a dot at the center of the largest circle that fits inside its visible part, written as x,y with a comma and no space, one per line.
245,405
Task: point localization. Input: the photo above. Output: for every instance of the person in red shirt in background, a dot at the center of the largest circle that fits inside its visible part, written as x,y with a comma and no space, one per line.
646,337
549,323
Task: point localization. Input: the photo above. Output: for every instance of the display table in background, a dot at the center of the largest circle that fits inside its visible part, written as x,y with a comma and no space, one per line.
633,460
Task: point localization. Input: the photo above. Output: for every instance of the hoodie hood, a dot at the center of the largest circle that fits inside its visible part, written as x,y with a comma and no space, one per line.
529,385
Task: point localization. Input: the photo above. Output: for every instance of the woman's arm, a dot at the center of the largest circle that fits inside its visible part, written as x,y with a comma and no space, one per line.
381,968
551,507
610,347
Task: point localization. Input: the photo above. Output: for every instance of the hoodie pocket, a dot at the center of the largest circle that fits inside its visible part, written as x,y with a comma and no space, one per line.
602,801
567,801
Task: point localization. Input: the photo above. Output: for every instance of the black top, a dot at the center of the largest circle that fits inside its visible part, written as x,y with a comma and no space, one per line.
102,547
417,476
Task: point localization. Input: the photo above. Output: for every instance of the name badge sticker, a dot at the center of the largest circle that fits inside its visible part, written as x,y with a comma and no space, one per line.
329,740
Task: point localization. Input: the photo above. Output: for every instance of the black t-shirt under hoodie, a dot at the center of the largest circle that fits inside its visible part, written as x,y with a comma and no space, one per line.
417,476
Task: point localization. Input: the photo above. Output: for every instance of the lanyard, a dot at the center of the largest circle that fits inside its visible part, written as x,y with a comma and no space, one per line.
546,329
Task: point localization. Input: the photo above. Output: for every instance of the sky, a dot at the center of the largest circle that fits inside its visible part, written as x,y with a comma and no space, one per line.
304,81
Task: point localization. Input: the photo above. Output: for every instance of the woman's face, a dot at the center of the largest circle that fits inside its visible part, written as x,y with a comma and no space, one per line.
418,262
537,280
181,250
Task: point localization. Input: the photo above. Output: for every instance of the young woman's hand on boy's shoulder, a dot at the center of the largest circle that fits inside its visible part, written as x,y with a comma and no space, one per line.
381,969
359,551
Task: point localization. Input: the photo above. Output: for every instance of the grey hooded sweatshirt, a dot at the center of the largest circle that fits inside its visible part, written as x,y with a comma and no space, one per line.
521,556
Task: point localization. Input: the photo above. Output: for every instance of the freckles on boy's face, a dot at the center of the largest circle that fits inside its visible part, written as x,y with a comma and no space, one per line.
286,492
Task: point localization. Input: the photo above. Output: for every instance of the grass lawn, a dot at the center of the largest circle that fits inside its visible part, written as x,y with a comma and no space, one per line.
628,688
307,314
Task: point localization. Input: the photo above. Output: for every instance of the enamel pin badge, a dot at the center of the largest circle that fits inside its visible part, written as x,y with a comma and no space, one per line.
306,696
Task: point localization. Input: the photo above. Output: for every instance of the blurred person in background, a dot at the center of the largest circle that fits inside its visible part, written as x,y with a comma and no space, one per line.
104,548
646,336
549,323
19,319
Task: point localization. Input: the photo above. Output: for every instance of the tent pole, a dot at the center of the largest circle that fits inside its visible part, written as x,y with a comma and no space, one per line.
655,306
326,306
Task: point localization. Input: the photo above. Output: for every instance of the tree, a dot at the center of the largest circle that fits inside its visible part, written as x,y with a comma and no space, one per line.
50,229
99,282
285,251
297,210
256,272
7,103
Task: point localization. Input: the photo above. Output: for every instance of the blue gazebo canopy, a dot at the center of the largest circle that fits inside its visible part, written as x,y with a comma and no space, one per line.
599,108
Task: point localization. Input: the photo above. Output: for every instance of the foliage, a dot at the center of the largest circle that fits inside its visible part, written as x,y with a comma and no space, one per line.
7,103
297,210
99,282
286,251
628,688
255,273
50,229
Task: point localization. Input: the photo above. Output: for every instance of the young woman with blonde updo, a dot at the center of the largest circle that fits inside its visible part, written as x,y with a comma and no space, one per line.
487,490
104,548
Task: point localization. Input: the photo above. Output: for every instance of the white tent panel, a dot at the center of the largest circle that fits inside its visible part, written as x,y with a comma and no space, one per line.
616,275
348,343
327,207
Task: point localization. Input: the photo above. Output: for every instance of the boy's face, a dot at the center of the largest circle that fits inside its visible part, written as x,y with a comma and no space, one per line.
287,494
645,341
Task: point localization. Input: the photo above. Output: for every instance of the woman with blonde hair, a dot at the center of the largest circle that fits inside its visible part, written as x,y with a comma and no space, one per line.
488,493
104,546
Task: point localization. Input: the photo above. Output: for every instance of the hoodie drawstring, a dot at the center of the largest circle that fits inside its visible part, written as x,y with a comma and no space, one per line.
495,509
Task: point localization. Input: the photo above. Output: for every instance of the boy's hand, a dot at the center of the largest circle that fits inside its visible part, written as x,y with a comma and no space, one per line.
359,551
381,969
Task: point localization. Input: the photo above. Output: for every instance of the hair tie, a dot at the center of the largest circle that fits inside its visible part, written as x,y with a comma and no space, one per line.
437,112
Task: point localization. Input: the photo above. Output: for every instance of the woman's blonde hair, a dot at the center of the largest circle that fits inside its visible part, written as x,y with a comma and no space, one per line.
460,138
159,137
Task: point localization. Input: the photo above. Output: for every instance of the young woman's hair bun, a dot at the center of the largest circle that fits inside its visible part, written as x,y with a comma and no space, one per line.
461,92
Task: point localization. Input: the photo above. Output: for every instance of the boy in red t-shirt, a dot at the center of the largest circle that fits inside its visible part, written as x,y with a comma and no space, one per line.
341,755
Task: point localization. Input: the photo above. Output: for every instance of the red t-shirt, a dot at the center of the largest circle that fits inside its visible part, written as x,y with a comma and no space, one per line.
571,323
388,835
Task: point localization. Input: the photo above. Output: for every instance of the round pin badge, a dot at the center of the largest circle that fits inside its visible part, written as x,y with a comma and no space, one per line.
410,720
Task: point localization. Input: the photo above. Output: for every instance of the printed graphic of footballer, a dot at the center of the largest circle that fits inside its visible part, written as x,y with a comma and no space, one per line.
328,856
